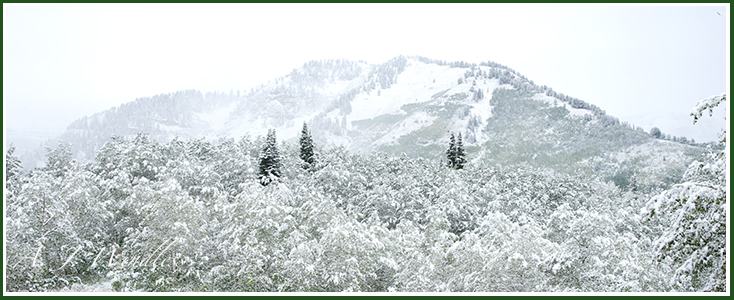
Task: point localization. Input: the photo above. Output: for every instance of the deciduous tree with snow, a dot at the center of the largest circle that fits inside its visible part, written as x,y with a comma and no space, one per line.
696,209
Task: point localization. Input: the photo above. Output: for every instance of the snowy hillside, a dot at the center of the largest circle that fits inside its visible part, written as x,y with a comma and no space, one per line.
537,192
406,105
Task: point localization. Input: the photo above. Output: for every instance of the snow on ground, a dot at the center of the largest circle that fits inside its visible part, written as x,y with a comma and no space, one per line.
255,127
102,286
414,84
170,128
551,100
337,140
341,86
660,154
227,121
410,124
293,129
334,88
657,158
216,119
243,125
482,108
258,126
418,83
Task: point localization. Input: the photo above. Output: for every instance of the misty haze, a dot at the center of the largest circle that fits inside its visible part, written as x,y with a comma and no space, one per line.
411,174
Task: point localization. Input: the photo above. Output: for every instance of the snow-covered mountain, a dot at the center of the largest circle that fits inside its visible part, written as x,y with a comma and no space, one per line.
406,105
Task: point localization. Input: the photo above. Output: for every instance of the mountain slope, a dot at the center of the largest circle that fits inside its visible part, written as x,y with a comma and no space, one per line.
406,105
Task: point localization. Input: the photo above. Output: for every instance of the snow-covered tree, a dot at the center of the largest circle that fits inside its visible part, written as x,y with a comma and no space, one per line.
707,104
192,215
269,160
499,256
138,158
233,165
13,173
56,227
456,154
194,165
696,210
478,95
306,142
655,132
164,250
451,152
460,160
59,160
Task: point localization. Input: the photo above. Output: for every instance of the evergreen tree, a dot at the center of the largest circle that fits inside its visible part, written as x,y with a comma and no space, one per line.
456,155
269,160
13,172
655,132
478,95
451,152
306,148
633,183
460,158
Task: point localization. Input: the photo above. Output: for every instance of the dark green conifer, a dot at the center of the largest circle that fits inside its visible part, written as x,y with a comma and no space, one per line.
307,148
460,159
269,160
451,152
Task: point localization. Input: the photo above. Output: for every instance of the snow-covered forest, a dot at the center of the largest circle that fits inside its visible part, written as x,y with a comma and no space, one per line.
405,105
256,214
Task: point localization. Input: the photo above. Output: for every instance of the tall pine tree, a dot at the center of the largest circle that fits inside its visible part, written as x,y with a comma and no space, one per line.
451,152
460,159
456,155
307,148
269,160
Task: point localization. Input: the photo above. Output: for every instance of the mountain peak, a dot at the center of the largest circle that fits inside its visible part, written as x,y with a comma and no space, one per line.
409,104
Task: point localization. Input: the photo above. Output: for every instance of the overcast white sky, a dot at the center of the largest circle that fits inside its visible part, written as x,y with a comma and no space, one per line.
644,64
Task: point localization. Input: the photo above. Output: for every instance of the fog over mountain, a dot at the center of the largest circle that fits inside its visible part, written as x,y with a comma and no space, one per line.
365,147
414,175
629,60
406,105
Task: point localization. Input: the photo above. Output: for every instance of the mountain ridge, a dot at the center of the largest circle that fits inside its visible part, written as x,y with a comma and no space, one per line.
405,105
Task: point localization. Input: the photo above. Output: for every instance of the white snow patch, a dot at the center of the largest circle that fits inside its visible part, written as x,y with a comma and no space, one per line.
657,157
216,119
170,128
482,108
258,126
337,140
658,152
410,124
341,86
101,286
547,99
575,112
414,84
